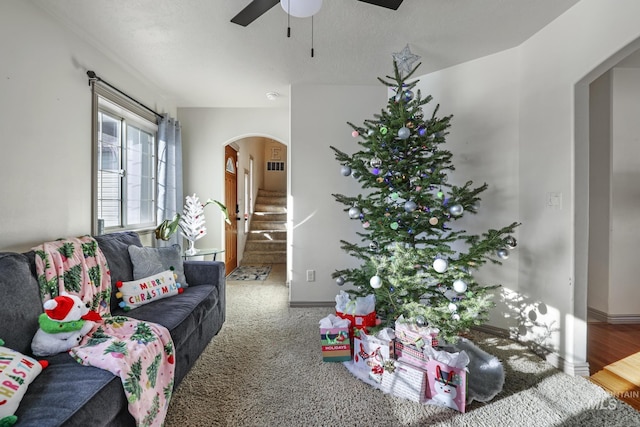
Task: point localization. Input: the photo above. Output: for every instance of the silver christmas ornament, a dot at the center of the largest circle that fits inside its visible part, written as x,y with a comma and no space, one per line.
502,253
375,162
404,132
421,321
354,212
373,246
510,242
410,206
456,210
340,281
345,171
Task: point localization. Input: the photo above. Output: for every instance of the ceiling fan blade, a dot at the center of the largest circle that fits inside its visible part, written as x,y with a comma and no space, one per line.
253,11
389,4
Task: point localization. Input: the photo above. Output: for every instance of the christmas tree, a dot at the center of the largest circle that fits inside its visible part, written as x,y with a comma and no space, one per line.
192,222
415,262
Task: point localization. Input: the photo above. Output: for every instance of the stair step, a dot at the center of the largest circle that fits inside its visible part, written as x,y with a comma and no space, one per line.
269,216
265,245
264,257
268,200
267,235
268,225
270,193
261,207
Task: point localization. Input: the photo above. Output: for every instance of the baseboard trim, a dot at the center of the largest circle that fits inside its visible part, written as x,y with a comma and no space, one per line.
306,304
614,319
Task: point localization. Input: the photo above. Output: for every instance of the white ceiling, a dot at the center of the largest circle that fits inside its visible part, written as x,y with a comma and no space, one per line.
191,51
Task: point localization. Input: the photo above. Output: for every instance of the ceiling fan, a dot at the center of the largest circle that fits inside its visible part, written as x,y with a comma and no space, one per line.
257,8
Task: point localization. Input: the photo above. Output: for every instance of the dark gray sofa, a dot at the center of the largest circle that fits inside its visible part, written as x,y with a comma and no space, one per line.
69,394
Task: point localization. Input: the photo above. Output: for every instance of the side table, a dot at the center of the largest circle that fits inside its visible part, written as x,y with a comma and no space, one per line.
203,252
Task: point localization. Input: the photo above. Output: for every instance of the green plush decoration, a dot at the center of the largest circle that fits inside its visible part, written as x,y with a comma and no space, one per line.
8,421
51,326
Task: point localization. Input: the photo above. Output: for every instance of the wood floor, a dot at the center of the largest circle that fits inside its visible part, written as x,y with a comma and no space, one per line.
613,353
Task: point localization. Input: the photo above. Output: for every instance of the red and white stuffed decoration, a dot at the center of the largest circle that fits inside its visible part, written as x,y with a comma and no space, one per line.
65,321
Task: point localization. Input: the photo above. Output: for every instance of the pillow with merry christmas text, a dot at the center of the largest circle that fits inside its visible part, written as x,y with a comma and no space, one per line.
148,289
17,371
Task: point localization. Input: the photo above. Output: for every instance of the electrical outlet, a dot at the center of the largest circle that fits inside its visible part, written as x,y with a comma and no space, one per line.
311,275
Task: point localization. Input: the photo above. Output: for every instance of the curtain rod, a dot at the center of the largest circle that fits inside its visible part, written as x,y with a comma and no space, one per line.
93,77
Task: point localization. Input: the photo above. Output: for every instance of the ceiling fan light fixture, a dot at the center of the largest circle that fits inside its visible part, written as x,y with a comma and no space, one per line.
301,8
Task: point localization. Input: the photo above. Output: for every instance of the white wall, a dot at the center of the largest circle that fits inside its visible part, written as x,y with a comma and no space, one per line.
318,120
624,292
557,65
553,70
205,132
599,193
45,117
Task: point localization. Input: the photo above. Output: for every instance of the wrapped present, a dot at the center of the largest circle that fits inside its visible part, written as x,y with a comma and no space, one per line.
418,336
370,353
335,339
360,311
405,381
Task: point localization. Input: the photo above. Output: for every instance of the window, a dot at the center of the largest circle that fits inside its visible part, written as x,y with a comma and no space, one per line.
125,164
275,166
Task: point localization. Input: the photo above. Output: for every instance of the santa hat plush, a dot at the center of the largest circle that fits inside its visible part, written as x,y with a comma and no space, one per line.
59,307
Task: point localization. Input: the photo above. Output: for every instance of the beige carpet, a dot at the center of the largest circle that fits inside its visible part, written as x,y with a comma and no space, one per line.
265,369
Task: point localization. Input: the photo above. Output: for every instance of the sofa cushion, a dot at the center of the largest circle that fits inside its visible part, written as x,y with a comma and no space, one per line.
96,397
20,303
149,261
115,246
180,314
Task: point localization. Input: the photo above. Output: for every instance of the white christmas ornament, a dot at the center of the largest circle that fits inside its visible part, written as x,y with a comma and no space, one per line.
440,265
452,307
459,286
375,282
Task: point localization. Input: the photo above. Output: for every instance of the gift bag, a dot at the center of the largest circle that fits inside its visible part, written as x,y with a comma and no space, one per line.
447,385
408,353
335,339
405,381
418,336
371,353
360,311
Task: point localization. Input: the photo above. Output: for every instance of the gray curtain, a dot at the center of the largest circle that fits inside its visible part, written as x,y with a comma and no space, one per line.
170,200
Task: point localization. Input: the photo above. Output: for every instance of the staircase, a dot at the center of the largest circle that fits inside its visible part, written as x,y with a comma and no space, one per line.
622,379
267,239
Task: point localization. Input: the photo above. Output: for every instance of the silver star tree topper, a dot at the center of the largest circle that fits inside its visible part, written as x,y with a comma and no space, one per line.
404,59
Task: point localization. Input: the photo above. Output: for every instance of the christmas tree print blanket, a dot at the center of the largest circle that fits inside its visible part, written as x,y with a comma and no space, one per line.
140,353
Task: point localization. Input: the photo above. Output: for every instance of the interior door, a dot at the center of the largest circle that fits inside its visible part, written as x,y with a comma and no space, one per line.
231,201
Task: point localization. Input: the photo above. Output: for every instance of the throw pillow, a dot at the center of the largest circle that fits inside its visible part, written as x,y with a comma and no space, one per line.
149,261
17,371
146,290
